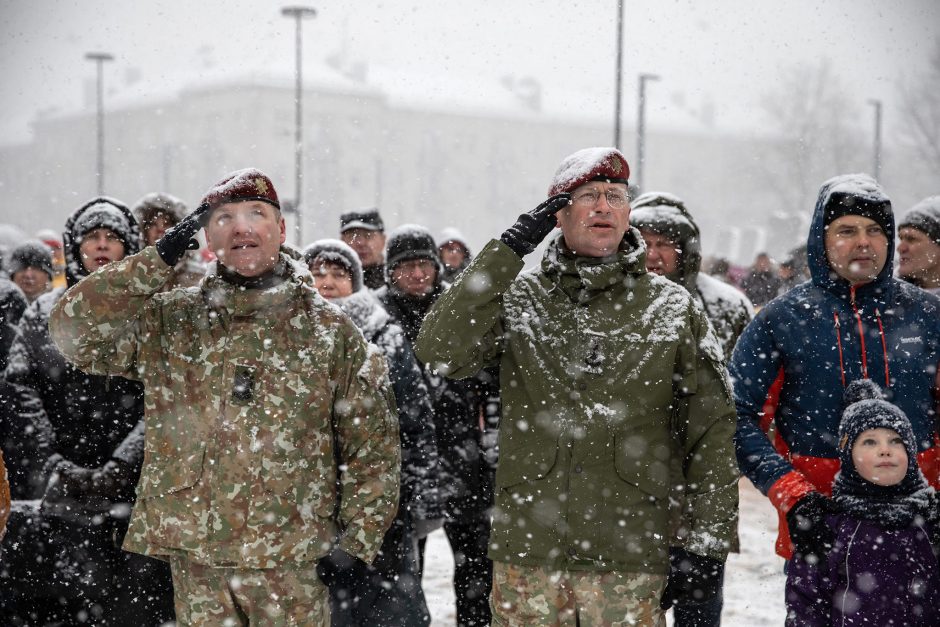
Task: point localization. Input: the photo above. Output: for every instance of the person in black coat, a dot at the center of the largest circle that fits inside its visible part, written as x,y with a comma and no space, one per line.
465,416
61,562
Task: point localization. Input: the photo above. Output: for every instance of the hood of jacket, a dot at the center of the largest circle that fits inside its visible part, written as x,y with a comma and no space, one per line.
822,275
74,268
666,215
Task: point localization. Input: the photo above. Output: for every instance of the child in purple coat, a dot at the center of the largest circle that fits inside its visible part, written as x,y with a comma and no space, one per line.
883,568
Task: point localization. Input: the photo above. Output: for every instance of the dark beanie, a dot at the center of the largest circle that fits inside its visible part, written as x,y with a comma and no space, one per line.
590,164
335,251
857,195
155,204
866,408
31,254
410,241
105,213
242,185
925,217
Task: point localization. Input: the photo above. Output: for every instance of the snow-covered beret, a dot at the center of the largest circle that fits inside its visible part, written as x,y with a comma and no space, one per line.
925,217
339,253
590,164
242,185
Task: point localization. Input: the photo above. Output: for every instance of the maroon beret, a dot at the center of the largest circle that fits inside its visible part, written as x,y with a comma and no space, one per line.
590,164
241,185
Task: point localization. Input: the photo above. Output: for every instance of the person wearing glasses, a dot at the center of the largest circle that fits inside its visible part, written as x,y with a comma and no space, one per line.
606,372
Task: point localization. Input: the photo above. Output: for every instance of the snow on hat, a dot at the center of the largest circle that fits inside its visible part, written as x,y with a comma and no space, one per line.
153,204
410,241
100,212
663,213
450,234
856,194
925,217
368,219
590,164
335,251
242,185
31,254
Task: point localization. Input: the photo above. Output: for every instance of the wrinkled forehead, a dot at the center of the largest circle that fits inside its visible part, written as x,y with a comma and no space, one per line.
246,206
651,234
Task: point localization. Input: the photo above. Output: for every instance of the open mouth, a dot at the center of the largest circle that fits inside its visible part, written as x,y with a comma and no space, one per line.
603,226
102,260
244,246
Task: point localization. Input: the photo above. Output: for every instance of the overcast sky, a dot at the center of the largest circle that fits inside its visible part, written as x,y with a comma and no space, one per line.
716,58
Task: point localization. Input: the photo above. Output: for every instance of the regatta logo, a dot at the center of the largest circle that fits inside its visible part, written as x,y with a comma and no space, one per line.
911,340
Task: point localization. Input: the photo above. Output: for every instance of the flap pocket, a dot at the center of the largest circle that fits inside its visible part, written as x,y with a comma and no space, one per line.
642,459
530,463
165,474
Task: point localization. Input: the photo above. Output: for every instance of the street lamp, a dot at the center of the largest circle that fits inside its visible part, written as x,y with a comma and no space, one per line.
619,78
641,128
298,13
99,58
877,105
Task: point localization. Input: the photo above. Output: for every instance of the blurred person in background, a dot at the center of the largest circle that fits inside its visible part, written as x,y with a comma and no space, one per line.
158,212
30,267
364,232
455,253
762,283
919,245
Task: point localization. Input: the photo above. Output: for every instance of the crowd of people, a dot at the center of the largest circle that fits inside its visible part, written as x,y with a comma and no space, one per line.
248,433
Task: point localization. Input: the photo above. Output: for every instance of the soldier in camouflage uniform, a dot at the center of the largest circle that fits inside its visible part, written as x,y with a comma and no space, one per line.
606,373
271,432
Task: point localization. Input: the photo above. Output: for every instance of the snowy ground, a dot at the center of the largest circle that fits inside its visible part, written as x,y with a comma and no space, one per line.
754,578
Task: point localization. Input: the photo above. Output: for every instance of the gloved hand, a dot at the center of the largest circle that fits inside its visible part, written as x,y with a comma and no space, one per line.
67,482
179,238
692,578
338,568
531,228
806,521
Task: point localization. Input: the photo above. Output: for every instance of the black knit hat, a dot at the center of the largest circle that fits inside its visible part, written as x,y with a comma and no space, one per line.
335,251
925,217
31,254
368,219
154,204
410,241
866,409
858,195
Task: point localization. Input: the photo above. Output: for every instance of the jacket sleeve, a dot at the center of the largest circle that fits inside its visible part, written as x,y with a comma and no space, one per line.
4,497
95,323
808,594
755,366
366,432
705,424
463,331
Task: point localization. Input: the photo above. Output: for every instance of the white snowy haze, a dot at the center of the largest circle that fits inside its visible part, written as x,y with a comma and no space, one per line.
455,113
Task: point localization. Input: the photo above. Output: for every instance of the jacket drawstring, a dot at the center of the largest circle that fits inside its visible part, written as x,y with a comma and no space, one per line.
884,348
835,316
861,336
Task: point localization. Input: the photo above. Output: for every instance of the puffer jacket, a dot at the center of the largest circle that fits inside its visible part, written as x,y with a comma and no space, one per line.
270,426
795,358
872,576
602,367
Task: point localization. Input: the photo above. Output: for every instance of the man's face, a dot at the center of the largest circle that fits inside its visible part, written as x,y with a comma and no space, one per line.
369,245
856,248
99,247
32,281
594,222
918,255
452,254
415,277
157,228
331,279
246,236
662,254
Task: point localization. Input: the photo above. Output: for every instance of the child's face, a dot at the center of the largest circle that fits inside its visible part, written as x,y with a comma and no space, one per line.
880,456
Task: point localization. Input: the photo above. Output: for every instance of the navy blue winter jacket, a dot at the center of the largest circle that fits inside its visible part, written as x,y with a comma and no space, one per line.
809,343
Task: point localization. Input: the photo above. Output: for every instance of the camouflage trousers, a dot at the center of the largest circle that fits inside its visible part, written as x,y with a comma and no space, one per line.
205,595
526,596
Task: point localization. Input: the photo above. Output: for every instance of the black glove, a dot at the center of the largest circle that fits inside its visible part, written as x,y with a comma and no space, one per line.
178,239
531,228
806,521
692,578
339,568
93,488
68,482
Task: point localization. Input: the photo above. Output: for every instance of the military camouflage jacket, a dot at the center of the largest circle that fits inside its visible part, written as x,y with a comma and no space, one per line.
271,428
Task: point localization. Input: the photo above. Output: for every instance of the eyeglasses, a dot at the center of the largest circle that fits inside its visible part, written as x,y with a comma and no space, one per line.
589,198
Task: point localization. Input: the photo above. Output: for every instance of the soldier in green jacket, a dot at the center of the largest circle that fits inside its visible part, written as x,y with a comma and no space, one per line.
271,435
603,367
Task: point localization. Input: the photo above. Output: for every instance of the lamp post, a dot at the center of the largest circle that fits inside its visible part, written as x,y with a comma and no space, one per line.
99,58
298,13
641,128
877,142
619,78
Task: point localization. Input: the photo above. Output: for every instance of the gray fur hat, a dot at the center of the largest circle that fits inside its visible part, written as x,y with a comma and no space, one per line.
335,251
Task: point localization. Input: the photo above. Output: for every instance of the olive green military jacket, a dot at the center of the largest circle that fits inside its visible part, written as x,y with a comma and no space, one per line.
603,367
253,400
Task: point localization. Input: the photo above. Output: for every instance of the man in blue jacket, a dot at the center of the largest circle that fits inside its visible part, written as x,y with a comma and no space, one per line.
852,320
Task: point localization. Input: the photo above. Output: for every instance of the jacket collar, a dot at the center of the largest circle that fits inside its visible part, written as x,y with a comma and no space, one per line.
584,278
229,300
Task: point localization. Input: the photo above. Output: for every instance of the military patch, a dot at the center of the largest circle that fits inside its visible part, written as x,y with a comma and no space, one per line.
243,386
